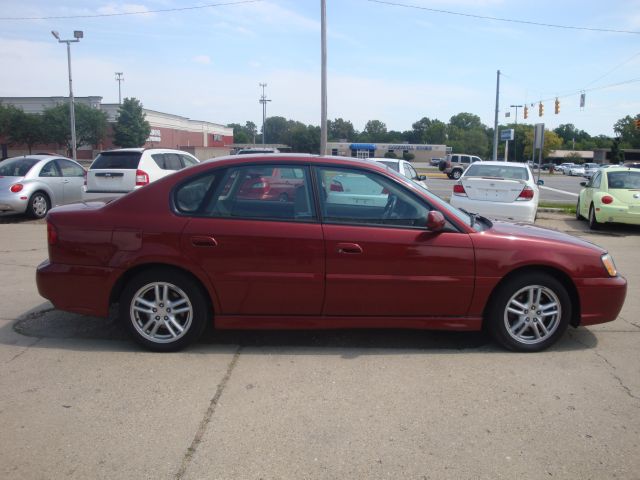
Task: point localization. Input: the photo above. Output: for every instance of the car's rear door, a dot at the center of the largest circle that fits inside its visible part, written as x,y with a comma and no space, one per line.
114,172
263,255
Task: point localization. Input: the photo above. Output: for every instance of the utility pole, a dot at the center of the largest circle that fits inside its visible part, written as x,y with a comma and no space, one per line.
323,94
495,122
263,100
515,132
119,79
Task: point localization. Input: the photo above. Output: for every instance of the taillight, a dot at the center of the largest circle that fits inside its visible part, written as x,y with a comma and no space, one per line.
141,178
52,234
607,199
16,187
526,194
336,186
458,189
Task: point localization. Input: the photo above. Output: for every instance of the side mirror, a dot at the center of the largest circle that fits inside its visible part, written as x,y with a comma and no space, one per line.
435,221
583,184
422,177
540,182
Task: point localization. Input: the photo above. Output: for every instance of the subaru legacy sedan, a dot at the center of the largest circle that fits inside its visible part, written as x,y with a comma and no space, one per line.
193,249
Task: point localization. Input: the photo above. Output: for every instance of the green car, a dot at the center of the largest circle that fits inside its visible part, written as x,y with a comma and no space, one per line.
612,195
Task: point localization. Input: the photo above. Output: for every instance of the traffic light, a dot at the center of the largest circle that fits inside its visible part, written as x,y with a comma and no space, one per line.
526,112
540,109
557,107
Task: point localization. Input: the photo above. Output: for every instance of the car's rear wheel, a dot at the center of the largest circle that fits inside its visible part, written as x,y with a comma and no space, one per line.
38,205
456,174
164,310
593,221
529,313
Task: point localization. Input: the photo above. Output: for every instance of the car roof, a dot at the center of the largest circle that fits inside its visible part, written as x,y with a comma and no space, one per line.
622,169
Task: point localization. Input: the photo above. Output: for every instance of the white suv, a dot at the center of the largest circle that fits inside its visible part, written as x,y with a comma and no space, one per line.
116,172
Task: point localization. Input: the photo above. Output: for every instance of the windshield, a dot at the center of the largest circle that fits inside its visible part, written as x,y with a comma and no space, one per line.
629,180
17,167
122,160
392,165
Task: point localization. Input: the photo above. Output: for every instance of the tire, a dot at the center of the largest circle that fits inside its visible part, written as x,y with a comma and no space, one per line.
456,174
39,205
593,221
149,317
515,325
442,166
578,216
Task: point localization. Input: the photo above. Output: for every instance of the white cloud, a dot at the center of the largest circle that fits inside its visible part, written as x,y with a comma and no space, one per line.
202,59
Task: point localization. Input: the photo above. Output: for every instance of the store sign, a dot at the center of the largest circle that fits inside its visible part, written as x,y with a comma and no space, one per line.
155,135
410,147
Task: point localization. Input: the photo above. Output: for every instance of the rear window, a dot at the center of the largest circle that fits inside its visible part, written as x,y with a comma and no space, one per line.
17,167
121,160
392,165
629,180
497,171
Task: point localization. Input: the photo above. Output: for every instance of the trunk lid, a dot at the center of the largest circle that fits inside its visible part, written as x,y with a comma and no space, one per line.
493,189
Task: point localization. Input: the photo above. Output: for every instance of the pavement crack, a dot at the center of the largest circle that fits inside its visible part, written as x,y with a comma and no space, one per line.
202,428
611,366
630,323
24,350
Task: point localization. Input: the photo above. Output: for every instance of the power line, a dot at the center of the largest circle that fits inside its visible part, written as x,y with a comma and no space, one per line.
163,10
509,20
613,69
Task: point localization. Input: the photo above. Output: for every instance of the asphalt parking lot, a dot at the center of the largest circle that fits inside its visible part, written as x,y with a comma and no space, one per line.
79,400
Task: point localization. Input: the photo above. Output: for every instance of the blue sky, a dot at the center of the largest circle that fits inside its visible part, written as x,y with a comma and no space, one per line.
385,62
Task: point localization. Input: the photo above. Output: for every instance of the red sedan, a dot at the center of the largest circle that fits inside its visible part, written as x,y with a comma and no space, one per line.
191,249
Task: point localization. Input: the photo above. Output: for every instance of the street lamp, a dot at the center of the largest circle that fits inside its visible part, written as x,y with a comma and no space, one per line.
515,145
77,35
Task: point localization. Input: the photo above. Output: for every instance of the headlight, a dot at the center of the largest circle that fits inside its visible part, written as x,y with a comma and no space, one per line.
607,261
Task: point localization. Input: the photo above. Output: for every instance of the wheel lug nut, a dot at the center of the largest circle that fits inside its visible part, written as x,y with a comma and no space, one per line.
538,312
162,305
166,318
157,317
155,310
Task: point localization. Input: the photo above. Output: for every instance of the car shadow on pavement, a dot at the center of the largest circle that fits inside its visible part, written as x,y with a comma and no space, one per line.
80,332
581,227
20,219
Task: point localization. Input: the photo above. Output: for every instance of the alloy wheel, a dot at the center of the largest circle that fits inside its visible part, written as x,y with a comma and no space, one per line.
532,314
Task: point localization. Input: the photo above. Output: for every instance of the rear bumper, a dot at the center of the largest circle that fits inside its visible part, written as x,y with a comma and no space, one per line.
11,206
601,299
618,214
513,212
76,288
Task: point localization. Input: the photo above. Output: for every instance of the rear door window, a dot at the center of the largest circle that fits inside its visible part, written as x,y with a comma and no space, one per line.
172,161
70,169
188,161
117,160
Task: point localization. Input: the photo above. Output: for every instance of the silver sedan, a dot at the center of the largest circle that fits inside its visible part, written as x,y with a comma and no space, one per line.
33,184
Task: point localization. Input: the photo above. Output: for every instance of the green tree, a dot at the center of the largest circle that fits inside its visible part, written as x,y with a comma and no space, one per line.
466,121
570,134
617,155
131,128
390,155
276,130
26,129
626,130
91,125
551,142
6,114
340,129
375,131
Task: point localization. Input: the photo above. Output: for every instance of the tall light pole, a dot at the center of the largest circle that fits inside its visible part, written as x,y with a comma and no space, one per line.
515,132
495,122
77,34
263,100
323,87
119,79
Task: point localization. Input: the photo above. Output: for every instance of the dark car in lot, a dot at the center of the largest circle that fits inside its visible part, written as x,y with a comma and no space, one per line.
191,249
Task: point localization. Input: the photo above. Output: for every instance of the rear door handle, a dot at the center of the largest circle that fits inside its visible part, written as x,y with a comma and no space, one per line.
349,248
203,241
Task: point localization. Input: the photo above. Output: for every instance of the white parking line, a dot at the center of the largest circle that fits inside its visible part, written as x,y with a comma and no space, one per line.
560,191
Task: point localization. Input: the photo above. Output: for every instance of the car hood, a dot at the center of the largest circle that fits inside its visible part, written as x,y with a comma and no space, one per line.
531,232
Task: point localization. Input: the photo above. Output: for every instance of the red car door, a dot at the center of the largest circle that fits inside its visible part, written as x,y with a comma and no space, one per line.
263,256
381,260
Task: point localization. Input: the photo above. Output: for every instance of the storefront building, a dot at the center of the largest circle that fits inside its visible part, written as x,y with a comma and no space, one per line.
421,153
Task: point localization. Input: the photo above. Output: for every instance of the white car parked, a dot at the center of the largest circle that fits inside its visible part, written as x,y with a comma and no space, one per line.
498,190
576,171
116,172
404,168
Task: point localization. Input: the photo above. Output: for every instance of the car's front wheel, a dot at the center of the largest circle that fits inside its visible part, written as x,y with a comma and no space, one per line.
456,174
164,310
529,313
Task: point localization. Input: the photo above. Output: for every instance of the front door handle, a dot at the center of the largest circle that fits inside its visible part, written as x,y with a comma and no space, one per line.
349,248
203,241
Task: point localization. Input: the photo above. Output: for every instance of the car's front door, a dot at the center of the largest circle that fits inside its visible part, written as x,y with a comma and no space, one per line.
592,186
380,258
72,180
263,256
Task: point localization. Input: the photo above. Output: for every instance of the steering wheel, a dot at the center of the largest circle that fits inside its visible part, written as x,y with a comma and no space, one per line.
390,206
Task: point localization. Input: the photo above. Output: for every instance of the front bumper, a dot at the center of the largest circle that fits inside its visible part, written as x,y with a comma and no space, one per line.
601,299
76,288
